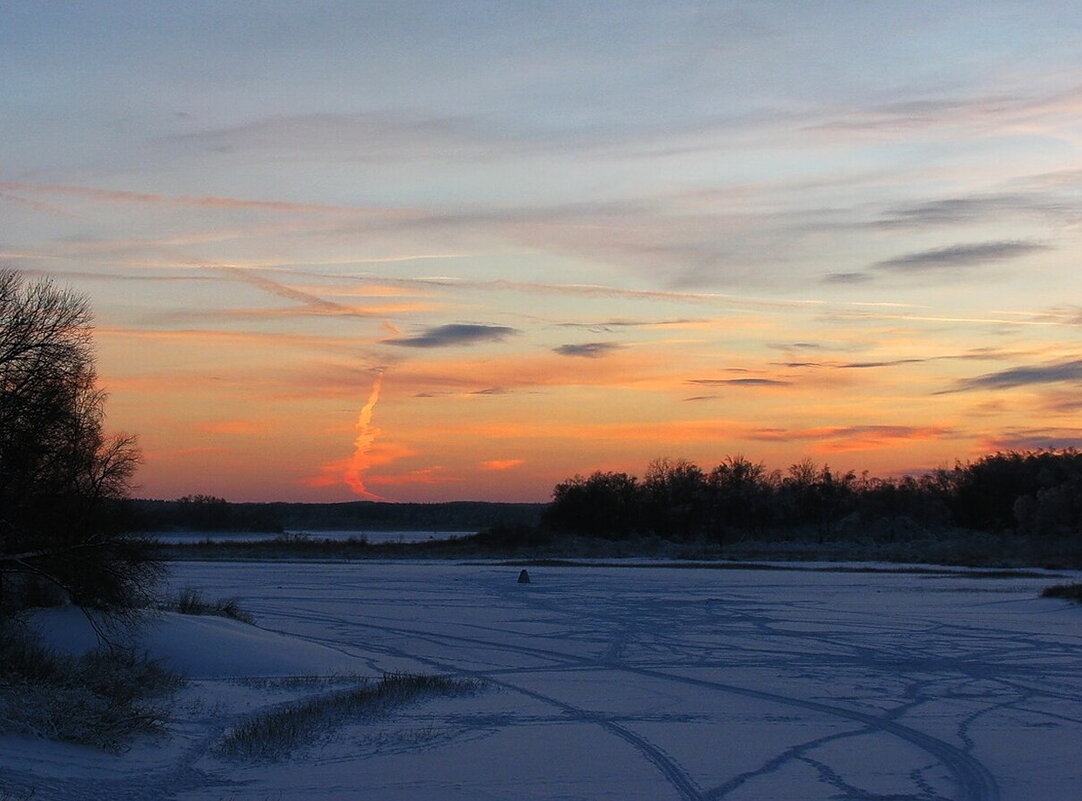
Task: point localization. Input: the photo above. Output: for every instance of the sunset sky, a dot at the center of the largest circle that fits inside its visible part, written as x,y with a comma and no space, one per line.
463,250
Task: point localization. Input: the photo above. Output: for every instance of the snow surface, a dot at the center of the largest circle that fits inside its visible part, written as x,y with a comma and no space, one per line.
610,683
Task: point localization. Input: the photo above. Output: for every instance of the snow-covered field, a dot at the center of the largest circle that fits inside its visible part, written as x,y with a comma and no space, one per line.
611,683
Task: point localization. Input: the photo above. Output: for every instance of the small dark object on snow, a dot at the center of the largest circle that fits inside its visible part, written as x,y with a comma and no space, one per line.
523,577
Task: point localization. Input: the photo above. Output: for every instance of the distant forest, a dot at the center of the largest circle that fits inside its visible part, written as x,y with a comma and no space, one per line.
212,514
1032,494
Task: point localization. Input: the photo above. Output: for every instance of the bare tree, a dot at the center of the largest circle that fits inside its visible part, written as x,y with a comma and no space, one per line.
60,475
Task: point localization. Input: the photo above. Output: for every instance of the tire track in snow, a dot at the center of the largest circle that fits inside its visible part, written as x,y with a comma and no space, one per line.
669,768
974,780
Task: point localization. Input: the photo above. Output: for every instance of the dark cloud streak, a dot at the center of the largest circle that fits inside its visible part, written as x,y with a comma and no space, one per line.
846,278
739,382
444,336
1067,371
960,256
975,209
589,350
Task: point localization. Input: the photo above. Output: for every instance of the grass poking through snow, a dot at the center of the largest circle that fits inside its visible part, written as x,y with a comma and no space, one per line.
1072,592
103,698
189,601
277,732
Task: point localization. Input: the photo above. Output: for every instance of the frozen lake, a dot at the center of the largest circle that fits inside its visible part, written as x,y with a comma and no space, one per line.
648,684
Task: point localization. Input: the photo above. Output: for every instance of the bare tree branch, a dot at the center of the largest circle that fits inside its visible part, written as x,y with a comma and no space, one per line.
60,475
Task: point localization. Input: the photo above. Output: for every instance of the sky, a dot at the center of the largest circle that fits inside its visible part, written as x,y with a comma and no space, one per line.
421,251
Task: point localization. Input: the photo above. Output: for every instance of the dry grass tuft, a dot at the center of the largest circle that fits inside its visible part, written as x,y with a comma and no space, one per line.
277,732
1071,592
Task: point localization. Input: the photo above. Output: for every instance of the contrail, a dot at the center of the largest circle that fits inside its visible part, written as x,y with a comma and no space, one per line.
281,290
366,435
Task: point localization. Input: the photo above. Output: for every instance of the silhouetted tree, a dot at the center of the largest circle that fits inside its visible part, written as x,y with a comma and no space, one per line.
204,513
60,475
1053,511
603,505
817,496
989,492
740,497
675,497
1033,493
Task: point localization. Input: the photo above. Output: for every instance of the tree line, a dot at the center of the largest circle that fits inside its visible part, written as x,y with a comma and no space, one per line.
212,514
1034,493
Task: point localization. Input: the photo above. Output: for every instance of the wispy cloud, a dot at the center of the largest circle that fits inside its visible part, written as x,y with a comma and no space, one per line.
497,374
977,113
217,338
839,439
373,136
444,336
280,289
960,256
205,201
1062,402
602,292
825,439
1036,439
589,350
307,310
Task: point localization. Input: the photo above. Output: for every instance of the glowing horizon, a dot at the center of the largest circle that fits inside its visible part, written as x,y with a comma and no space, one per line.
536,240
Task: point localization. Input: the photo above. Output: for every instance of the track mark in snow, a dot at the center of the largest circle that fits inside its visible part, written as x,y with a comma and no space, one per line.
975,782
662,761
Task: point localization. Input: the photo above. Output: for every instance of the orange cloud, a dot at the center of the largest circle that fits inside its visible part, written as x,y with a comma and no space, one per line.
170,453
425,475
656,431
220,337
501,464
370,291
233,427
333,473
642,369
